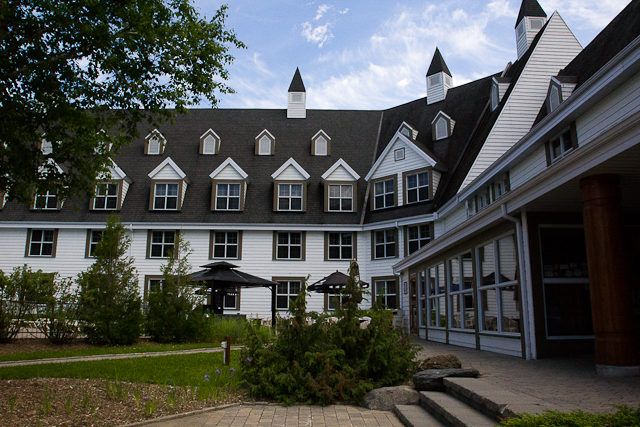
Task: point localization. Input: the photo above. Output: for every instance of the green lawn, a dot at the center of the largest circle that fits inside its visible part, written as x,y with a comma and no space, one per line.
142,347
177,370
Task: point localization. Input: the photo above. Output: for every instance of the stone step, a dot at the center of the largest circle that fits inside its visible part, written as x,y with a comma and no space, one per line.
416,416
452,412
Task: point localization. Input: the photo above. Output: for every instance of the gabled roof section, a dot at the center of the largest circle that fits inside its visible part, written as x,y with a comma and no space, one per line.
266,132
440,114
336,165
296,84
290,163
210,132
157,134
430,159
438,64
228,162
413,133
49,164
530,8
171,164
321,132
114,173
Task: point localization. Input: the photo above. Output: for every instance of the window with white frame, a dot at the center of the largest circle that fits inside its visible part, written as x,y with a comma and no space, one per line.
225,244
417,237
41,243
227,197
436,302
384,194
209,144
106,196
154,145
461,300
321,146
289,197
387,292
499,188
289,245
494,96
47,201
336,300
482,200
94,239
162,243
385,244
498,286
166,196
561,146
340,246
286,292
231,299
418,187
441,128
341,197
399,153
422,298
434,80
264,146
554,98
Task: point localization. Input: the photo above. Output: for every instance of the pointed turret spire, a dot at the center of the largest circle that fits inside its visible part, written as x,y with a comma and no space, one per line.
530,20
438,79
297,99
530,8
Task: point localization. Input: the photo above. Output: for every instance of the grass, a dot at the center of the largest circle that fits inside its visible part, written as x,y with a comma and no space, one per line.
177,370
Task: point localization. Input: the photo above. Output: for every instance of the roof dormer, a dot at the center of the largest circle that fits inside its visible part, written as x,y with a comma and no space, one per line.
46,147
111,189
265,144
320,144
408,131
442,126
209,142
168,187
499,86
530,20
290,187
560,88
297,98
438,79
155,143
229,187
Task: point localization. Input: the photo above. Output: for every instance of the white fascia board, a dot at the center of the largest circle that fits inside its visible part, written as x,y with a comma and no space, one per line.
388,148
155,132
399,222
226,163
321,132
171,163
612,75
336,165
440,113
117,171
50,161
210,131
407,125
273,138
288,163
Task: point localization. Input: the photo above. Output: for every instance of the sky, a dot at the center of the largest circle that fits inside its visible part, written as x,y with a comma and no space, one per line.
357,54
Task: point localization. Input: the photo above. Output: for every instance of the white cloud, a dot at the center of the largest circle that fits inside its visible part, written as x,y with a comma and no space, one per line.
342,12
318,35
322,9
594,14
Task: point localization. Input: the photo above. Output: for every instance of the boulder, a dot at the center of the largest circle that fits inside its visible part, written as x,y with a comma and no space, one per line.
443,361
383,399
431,380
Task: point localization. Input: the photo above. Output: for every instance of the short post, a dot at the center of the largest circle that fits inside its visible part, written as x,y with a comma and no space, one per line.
226,345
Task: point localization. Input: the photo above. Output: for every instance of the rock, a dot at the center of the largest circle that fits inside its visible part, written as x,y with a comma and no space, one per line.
444,361
383,399
431,380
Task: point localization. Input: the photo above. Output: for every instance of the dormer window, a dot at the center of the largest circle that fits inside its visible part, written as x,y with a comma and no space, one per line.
106,196
384,193
417,187
494,96
290,192
290,197
441,126
227,197
320,144
265,144
209,143
554,98
46,201
408,131
166,197
168,187
228,187
46,147
155,143
405,131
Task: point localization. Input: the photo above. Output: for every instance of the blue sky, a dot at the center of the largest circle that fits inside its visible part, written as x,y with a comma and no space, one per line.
374,55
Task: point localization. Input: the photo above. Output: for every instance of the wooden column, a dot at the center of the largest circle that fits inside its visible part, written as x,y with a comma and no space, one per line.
611,302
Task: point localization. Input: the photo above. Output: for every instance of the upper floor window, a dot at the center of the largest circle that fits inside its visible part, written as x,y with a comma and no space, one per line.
562,145
106,196
321,146
384,244
289,245
384,193
417,187
161,243
554,98
499,188
47,201
290,197
228,197
155,143
92,243
209,143
166,196
41,243
340,246
341,197
225,244
441,128
387,292
399,153
286,292
265,144
417,237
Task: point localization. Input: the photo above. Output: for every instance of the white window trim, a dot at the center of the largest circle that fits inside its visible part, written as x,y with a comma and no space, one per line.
164,246
340,246
385,243
42,242
228,197
419,239
290,197
226,244
106,196
291,296
384,194
94,243
289,245
340,198
417,187
386,293
439,295
47,197
461,293
166,196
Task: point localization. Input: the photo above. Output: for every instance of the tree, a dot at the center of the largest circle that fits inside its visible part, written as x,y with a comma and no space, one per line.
174,311
81,75
110,304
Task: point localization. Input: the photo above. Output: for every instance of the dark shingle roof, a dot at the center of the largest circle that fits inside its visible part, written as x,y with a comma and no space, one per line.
437,64
296,83
530,8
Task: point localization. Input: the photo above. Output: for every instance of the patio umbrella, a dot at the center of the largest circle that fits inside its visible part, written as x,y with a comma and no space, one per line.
333,283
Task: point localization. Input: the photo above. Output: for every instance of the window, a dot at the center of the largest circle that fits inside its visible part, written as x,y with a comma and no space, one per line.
520,29
386,292
290,197
500,188
536,24
93,240
106,196
155,143
498,286
46,201
554,98
321,146
461,301
166,197
152,284
228,197
384,244
332,301
417,237
209,142
289,245
482,200
296,97
436,303
561,146
399,153
384,194
232,299
340,246
161,243
494,96
46,147
41,243
264,148
434,80
441,128
225,244
417,187
286,292
341,197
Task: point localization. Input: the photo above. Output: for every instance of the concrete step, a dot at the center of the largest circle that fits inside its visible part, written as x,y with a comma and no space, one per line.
416,416
452,412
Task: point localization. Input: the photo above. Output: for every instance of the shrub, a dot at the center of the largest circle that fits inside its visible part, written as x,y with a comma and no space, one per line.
110,305
58,310
313,360
218,328
623,417
174,312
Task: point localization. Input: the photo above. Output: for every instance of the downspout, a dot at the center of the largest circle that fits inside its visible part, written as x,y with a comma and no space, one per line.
522,274
131,245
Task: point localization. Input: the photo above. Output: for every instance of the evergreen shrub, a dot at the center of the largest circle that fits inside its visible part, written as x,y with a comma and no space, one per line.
57,309
624,416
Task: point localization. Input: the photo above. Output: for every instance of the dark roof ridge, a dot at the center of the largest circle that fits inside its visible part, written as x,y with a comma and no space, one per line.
296,83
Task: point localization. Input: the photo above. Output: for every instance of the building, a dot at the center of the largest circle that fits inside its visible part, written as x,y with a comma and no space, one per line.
462,208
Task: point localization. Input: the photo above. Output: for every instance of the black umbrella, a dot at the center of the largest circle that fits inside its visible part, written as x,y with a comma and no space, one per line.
333,283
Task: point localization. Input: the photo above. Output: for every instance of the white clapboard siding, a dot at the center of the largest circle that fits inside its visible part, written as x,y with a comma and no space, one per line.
438,228
497,344
617,106
454,218
125,189
524,171
435,181
168,173
229,173
340,174
184,190
290,174
555,49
